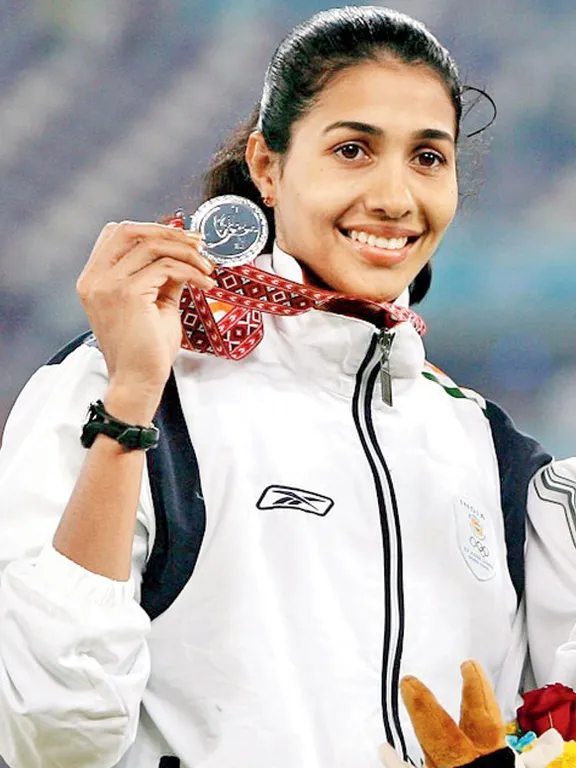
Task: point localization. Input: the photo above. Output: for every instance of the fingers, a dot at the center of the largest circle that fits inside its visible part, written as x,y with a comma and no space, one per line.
117,240
159,282
442,741
111,264
480,716
148,251
131,289
165,279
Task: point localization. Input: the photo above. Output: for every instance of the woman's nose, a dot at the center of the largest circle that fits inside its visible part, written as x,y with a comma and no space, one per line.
390,194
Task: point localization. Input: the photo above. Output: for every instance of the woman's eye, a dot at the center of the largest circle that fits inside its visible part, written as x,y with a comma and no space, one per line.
430,159
350,151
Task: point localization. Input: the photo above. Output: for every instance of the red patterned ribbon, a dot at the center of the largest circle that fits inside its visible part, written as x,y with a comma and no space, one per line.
243,293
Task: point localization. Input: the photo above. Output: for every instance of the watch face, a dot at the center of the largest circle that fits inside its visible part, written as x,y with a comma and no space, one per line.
234,230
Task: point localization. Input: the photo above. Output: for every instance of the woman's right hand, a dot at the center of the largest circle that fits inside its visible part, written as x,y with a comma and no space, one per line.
130,289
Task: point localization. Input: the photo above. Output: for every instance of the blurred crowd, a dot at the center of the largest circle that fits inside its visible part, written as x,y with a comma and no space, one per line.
110,111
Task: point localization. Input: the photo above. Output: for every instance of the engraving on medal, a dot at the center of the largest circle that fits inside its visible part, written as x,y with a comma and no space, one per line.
234,230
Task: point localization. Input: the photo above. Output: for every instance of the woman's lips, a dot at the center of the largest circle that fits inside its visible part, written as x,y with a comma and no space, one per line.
384,257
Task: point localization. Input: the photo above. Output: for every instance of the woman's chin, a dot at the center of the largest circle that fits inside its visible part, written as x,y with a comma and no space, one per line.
359,289
352,285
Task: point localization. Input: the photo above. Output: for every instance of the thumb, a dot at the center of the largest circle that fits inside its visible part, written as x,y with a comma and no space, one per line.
170,293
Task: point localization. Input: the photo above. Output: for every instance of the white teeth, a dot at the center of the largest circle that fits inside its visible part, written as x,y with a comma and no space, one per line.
390,244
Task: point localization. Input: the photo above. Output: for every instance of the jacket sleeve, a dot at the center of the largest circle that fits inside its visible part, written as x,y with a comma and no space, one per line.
551,573
74,661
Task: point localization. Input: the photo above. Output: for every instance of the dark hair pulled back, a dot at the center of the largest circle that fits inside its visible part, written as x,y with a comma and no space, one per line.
303,64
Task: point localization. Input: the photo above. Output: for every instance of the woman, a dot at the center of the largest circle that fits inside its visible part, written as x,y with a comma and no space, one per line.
298,542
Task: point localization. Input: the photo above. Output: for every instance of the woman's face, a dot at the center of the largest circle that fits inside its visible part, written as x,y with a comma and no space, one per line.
368,186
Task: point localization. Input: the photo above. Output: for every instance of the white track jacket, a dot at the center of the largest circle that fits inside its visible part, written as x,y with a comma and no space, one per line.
300,546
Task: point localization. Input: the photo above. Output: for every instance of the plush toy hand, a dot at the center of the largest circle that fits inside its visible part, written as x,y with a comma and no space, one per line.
478,741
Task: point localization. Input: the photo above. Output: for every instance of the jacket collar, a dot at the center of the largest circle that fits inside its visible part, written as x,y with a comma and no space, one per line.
330,348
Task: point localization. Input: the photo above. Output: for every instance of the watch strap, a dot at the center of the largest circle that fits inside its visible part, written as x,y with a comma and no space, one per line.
130,436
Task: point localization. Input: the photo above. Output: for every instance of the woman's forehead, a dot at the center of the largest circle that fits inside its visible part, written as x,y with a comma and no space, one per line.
388,92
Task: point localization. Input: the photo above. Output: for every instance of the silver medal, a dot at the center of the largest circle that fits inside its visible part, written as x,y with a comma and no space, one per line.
234,230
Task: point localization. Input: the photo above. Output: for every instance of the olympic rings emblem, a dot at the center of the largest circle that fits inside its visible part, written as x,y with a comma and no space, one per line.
482,550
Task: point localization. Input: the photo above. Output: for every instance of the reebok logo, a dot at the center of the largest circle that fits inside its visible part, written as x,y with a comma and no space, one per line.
284,497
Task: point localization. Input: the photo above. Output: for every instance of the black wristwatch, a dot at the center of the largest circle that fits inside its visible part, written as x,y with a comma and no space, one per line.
129,436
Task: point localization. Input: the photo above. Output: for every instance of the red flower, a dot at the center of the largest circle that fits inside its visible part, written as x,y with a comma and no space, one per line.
553,706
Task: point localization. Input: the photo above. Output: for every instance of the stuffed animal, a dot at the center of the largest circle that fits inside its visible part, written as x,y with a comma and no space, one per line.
479,741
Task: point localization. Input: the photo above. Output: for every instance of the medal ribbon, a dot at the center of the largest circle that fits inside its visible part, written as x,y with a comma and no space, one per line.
247,291
244,292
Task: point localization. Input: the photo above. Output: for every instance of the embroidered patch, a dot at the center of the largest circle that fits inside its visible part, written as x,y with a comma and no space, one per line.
285,497
475,538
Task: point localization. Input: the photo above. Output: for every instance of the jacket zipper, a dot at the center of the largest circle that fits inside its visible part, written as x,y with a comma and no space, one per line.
385,340
376,363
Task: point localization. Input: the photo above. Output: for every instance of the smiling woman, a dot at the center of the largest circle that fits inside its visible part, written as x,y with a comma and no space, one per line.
318,517
324,77
368,185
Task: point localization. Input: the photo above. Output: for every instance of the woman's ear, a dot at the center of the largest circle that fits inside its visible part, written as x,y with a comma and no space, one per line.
263,165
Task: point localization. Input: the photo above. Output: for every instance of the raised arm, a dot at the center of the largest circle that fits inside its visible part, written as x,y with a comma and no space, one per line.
74,524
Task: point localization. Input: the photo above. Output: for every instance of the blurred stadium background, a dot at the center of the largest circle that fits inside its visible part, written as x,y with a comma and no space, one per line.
110,110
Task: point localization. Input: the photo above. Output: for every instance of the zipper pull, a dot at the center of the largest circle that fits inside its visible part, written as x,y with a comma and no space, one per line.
385,339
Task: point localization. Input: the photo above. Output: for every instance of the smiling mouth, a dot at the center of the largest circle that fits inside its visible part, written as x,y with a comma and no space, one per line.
379,242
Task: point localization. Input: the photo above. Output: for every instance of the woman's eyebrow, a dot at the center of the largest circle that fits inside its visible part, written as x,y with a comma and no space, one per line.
374,130
434,133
